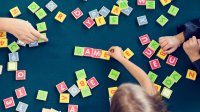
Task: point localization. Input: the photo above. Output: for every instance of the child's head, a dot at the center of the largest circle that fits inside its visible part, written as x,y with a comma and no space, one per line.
133,98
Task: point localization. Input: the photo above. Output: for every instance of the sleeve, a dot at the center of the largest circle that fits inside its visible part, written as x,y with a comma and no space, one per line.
189,29
196,65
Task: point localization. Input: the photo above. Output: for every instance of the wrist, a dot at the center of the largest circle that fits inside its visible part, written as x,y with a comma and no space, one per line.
5,24
180,37
122,59
194,58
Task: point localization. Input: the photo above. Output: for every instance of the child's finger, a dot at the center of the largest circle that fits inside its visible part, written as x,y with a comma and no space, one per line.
198,41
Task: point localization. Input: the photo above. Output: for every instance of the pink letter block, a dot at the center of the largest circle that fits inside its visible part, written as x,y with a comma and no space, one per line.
72,108
155,64
148,52
92,82
20,92
61,87
89,23
172,60
144,39
77,13
96,53
20,75
9,102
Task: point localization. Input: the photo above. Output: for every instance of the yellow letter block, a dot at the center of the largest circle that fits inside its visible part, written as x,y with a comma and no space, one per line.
100,21
111,91
60,17
116,10
191,74
3,42
165,2
128,53
161,54
81,83
2,34
64,98
104,55
15,11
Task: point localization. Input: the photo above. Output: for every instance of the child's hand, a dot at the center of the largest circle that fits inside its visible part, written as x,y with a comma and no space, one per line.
24,31
192,48
116,53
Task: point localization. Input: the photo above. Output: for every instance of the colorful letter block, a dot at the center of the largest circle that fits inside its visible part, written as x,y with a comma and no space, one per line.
88,51
15,12
172,60
80,74
13,47
152,76
64,98
113,20
96,53
168,82
155,64
92,82
104,11
51,6
114,74
141,2
162,20
61,87
175,76
33,44
115,10
157,87
3,42
127,11
33,7
41,13
20,75
89,23
60,17
2,34
148,52
40,40
166,93
161,54
74,90
123,5
13,56
128,53
9,102
94,14
81,83
41,27
142,20
105,55
12,66
154,45
191,74
111,91
20,92
21,107
100,21
77,13
78,51
165,2
86,92
72,108
144,39
173,10
42,95
150,4
21,43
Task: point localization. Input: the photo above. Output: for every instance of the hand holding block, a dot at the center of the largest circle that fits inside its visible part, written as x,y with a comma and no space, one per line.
15,12
41,27
165,2
80,74
114,74
92,82
128,53
41,13
77,13
86,92
64,98
105,55
104,11
172,60
173,10
72,108
157,87
115,10
175,76
161,54
142,20
155,64
154,45
81,83
12,66
61,87
20,92
100,21
20,75
144,39
89,23
162,20
22,107
96,53
13,47
168,82
40,40
94,14
51,6
111,91
166,93
141,2
42,95
9,102
191,74
113,20
151,4
60,17
123,5
3,43
33,7
148,52
74,90
152,76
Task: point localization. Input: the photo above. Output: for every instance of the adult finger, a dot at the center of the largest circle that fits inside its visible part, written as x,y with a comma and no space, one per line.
39,35
32,37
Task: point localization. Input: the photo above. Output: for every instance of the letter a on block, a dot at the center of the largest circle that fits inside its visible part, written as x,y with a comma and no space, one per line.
72,108
172,60
148,52
88,51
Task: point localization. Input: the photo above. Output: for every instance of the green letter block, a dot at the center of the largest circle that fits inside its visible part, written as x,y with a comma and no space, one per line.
123,5
13,47
42,95
40,40
86,92
81,74
33,7
168,82
150,4
162,20
114,74
153,45
166,93
175,76
78,51
113,20
41,14
173,10
152,76
41,27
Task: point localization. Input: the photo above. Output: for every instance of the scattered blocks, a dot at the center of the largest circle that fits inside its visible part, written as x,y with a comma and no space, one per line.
152,76
154,45
151,4
60,17
162,20
89,23
80,74
94,14
104,11
114,74
20,92
22,107
157,87
144,39
74,90
155,64
9,102
172,60
81,83
19,42
148,52
33,44
128,53
51,6
41,27
161,54
165,2
191,74
3,42
64,98
123,5
61,87
20,75
41,13
78,51
12,66
100,21
1,69
42,95
113,20
175,76
115,10
72,108
15,12
127,11
173,10
92,82
142,20
13,56
111,91
13,47
105,55
77,13
166,93
86,92
141,2
33,7
168,82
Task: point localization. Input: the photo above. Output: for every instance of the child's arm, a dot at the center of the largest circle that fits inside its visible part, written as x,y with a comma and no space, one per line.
135,71
21,29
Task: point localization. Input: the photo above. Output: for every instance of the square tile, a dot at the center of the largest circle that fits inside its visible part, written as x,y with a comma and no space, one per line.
41,13
113,20
13,47
60,17
142,20
114,75
86,92
127,11
94,14
22,107
77,13
15,11
33,7
41,27
74,90
12,66
51,6
80,74
13,56
162,20
42,95
104,11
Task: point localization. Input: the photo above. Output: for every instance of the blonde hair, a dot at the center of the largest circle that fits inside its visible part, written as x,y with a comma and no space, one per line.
133,98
